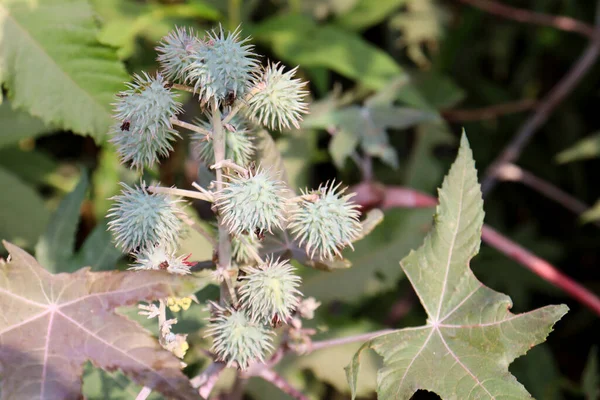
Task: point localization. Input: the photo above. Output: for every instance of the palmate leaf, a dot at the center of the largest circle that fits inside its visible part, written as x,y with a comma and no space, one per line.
52,324
53,66
471,337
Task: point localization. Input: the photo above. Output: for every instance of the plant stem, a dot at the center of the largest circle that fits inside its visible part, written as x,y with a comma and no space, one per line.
239,103
322,344
180,192
183,88
530,17
489,112
224,248
208,378
237,393
188,126
231,165
271,376
195,226
537,265
144,393
546,106
162,317
514,173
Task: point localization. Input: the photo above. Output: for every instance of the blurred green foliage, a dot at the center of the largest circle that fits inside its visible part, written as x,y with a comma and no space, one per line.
384,76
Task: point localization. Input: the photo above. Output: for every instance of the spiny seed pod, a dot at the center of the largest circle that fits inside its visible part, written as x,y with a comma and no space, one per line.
239,146
270,291
144,132
174,52
161,257
253,204
222,67
325,221
243,246
141,220
276,100
237,338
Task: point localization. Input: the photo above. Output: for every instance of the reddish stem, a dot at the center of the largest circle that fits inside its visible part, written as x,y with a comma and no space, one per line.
271,376
541,268
376,195
530,17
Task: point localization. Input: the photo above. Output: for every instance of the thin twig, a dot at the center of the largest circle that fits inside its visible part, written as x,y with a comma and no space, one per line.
238,106
183,88
208,378
144,393
190,127
512,250
198,228
181,192
224,248
239,386
162,317
531,17
231,165
514,173
322,344
541,268
490,112
562,89
271,376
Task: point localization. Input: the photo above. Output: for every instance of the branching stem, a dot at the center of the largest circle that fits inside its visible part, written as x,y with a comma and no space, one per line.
208,378
206,196
190,127
183,88
322,344
224,248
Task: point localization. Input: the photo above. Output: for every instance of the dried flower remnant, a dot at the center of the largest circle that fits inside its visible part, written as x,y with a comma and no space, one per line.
160,257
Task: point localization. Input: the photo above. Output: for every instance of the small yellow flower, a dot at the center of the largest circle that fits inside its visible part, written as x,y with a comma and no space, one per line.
177,304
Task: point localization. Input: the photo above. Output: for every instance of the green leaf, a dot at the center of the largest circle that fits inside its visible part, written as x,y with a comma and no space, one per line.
100,385
48,317
591,215
23,215
374,266
421,23
55,248
367,13
35,168
269,157
342,145
52,65
584,149
98,251
296,147
590,380
471,337
298,40
150,21
17,125
424,169
539,373
368,126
